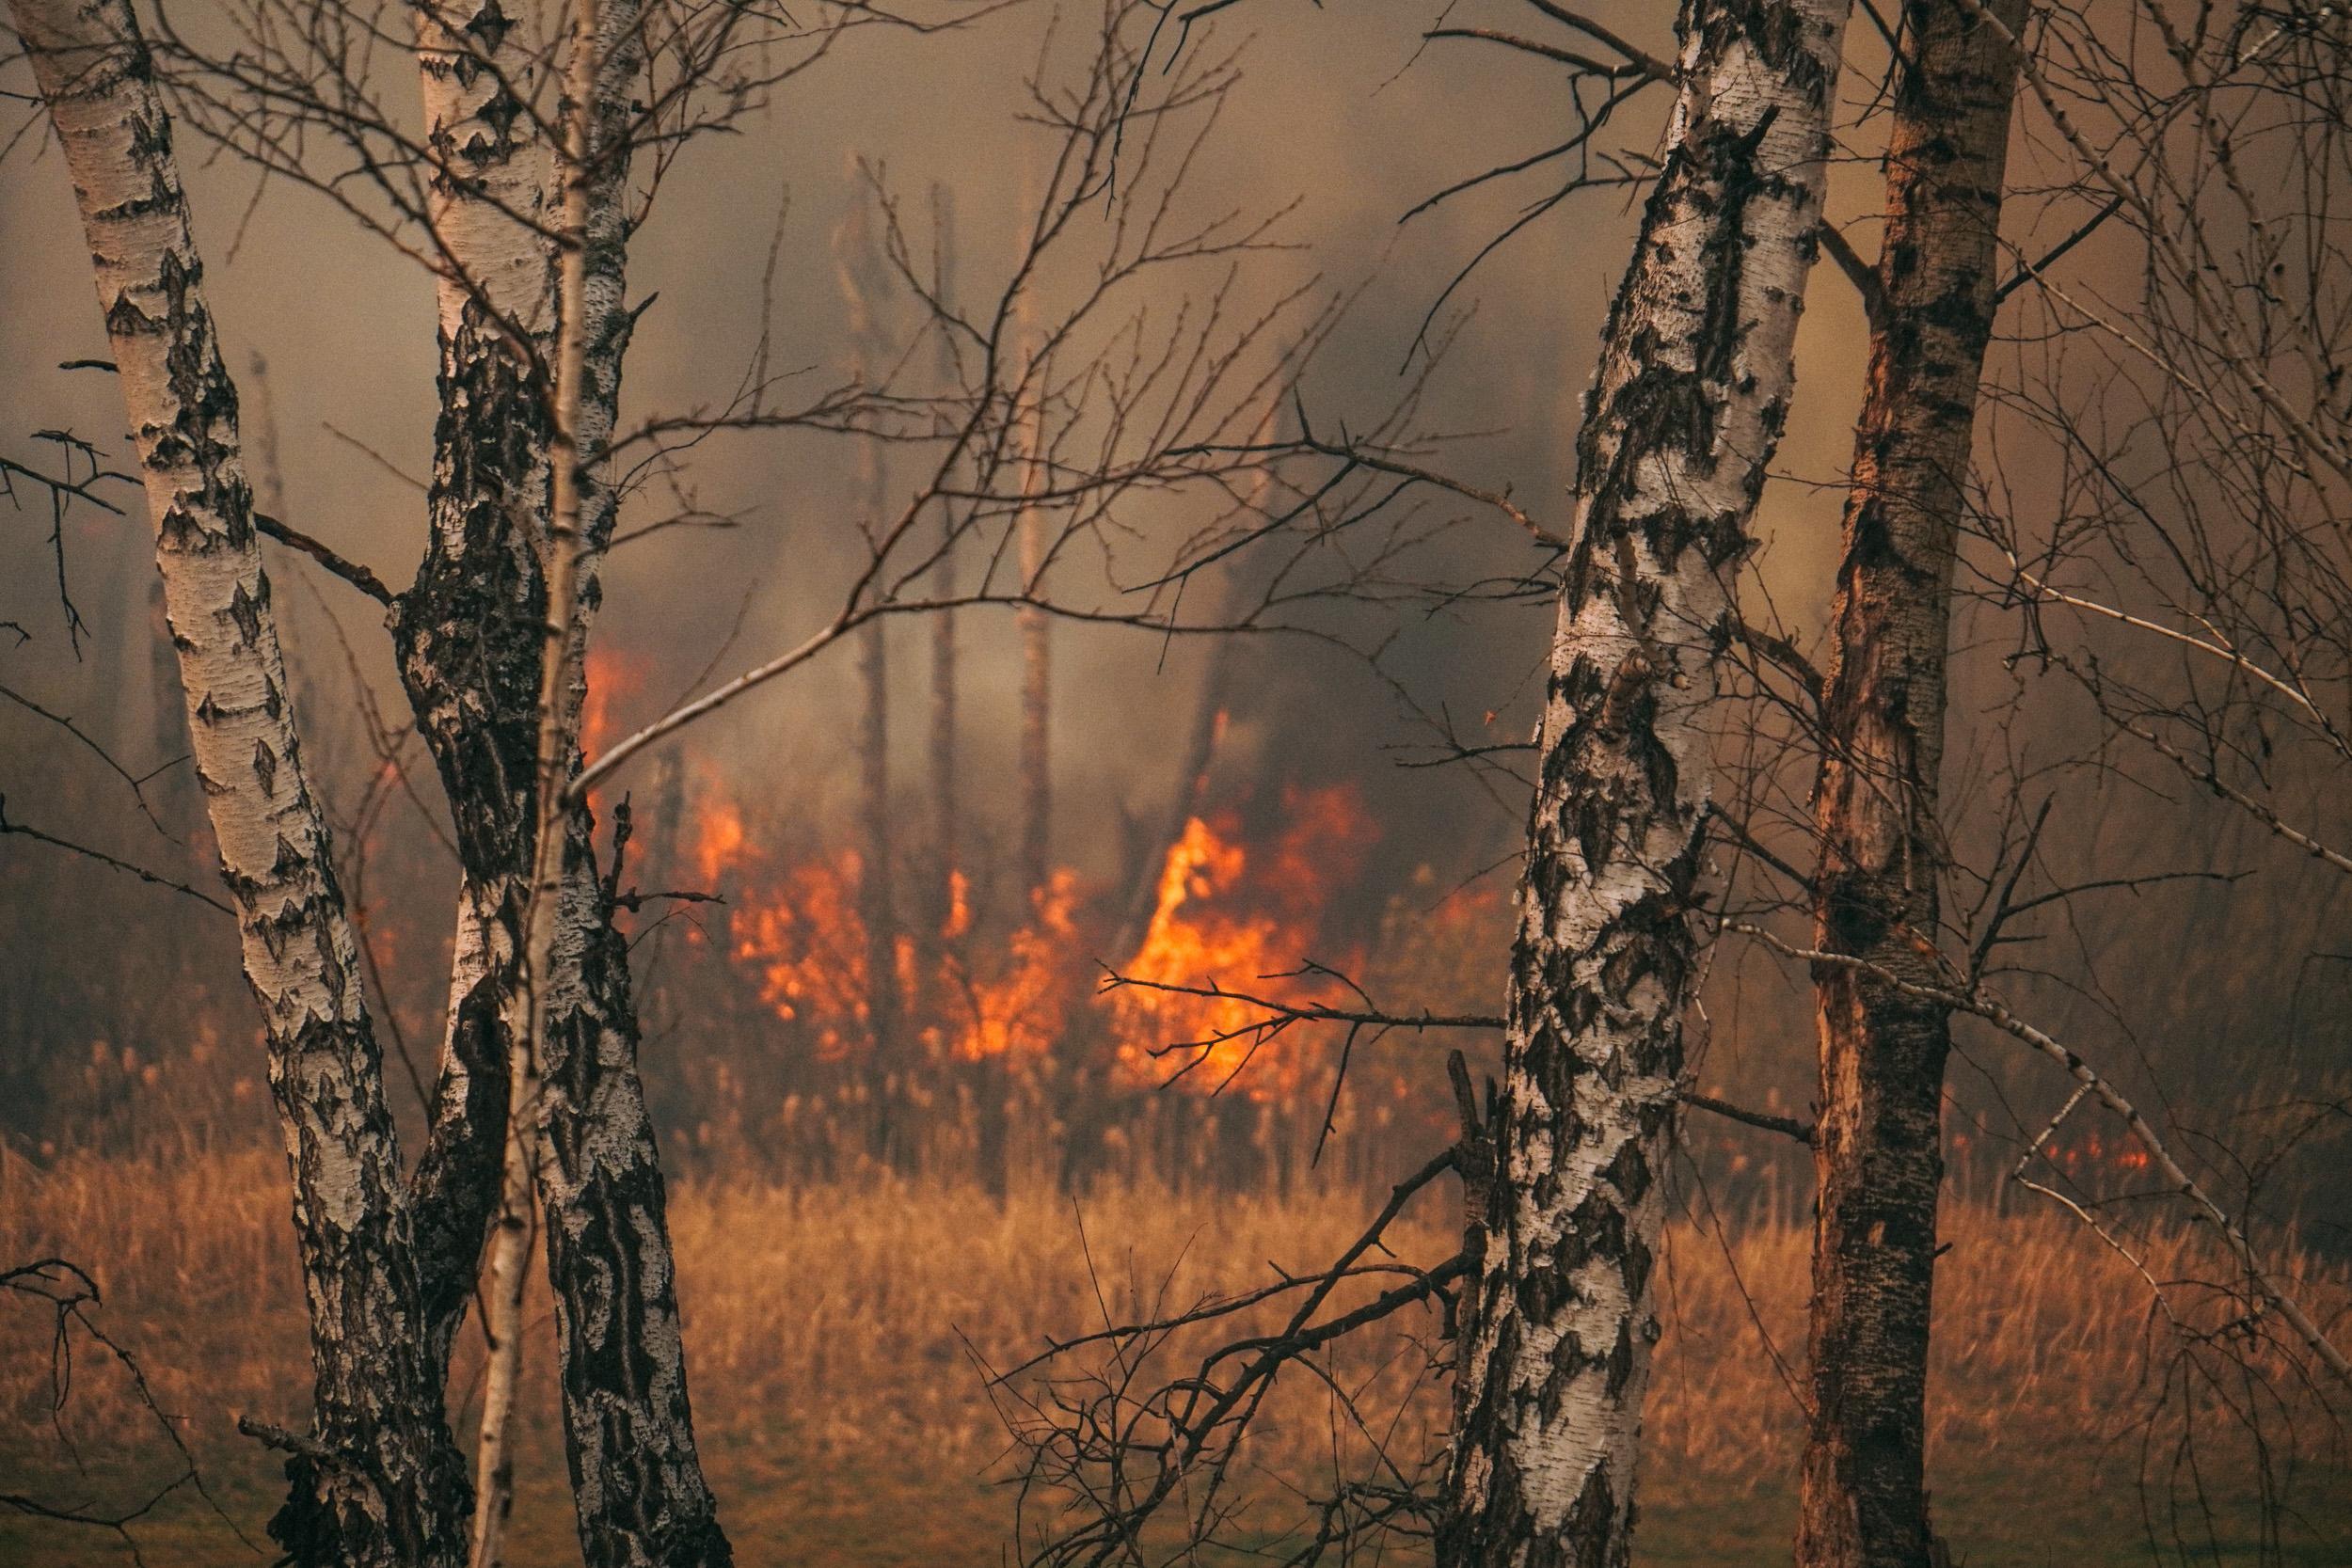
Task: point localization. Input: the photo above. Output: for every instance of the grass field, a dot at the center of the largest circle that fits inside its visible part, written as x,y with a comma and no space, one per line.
832,1331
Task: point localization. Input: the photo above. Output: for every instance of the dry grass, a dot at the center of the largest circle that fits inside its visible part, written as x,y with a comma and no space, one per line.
846,1421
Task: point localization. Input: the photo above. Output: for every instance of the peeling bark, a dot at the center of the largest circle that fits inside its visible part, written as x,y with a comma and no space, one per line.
471,636
1878,1150
1695,373
464,630
637,1477
379,1482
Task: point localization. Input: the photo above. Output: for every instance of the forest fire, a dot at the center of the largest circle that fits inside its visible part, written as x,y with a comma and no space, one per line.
804,941
613,679
1026,986
1203,937
1873,837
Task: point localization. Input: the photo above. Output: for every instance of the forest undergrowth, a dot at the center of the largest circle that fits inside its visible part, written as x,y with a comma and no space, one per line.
842,1333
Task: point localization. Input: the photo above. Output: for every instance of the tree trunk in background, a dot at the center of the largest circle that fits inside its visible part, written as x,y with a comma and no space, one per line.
946,822
1878,1150
863,276
384,1484
946,789
1695,374
1037,683
877,906
470,638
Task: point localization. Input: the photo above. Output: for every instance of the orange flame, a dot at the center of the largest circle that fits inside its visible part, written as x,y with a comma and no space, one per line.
1210,933
612,678
807,943
1025,1011
1227,915
720,840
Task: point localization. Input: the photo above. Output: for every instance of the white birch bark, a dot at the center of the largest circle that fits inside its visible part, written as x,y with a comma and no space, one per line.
637,1480
470,612
558,728
379,1482
1696,374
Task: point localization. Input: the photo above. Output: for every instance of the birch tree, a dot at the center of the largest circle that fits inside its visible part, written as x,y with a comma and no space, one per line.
462,631
1694,378
522,454
377,1480
1878,1138
526,212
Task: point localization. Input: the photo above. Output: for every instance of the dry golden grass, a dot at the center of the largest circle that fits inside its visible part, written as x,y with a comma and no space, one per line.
828,1327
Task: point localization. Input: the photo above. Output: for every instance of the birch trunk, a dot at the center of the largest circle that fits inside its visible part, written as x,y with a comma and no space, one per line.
637,1477
1694,378
379,1481
1878,1150
463,631
472,636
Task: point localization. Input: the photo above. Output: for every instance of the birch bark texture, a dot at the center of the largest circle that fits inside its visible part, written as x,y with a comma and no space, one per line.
471,636
379,1481
462,631
1878,1147
1695,374
637,1477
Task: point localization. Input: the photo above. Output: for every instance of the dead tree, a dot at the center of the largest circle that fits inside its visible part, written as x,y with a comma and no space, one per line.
1877,1147
938,911
1693,384
1037,637
863,280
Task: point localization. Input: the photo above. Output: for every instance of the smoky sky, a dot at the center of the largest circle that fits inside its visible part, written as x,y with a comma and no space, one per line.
1344,110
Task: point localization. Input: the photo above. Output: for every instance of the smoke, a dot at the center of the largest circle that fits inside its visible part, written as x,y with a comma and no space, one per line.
1354,118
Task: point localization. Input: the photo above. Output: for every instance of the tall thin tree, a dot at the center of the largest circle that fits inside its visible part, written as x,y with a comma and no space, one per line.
472,636
1695,374
1037,658
864,280
378,1481
946,787
1878,1142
